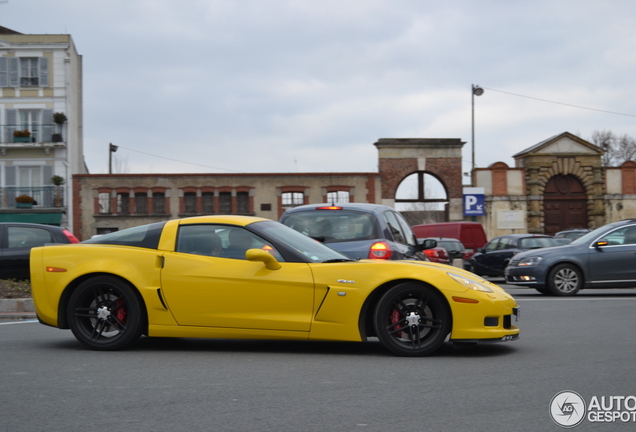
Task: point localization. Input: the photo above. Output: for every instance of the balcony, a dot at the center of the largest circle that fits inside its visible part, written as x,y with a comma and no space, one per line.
44,197
34,136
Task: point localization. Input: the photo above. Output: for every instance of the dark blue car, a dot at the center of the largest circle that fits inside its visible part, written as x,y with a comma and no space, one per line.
603,258
359,231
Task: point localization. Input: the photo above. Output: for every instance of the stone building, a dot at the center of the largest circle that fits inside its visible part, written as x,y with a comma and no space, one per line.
556,184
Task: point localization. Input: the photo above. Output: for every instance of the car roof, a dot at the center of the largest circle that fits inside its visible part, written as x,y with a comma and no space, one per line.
365,207
28,224
521,236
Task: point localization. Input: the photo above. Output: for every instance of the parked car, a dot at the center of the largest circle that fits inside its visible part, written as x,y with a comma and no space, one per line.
437,254
470,234
171,279
493,258
359,231
603,258
16,241
457,255
572,234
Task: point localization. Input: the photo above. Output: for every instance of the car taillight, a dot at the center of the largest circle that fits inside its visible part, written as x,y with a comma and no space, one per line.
380,250
329,208
69,235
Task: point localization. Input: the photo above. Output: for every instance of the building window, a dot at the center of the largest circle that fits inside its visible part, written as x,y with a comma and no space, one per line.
123,203
225,202
207,202
141,203
292,199
24,72
29,72
158,203
338,197
104,202
242,202
190,202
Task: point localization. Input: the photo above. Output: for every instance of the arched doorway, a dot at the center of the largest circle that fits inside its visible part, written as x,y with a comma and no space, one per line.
564,204
421,197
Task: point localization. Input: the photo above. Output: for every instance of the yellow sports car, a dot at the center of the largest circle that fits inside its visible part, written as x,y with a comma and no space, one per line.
239,277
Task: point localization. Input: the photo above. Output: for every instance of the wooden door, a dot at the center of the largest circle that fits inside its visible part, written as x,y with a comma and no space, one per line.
564,204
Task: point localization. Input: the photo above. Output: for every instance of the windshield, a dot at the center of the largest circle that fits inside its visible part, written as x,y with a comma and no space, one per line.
311,249
593,235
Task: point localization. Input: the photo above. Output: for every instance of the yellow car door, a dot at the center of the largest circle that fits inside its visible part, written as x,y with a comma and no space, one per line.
210,291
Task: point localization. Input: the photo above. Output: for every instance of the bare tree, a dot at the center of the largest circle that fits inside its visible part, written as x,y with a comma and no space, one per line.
618,149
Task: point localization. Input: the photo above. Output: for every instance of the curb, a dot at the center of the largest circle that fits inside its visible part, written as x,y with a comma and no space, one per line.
17,308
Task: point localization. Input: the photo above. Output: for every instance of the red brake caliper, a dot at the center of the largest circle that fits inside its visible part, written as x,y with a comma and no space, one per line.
121,311
395,318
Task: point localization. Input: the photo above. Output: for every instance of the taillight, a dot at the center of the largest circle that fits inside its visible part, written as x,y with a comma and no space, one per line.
69,235
380,250
329,208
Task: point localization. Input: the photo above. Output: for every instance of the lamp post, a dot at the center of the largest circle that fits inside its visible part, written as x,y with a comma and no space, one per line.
477,91
111,149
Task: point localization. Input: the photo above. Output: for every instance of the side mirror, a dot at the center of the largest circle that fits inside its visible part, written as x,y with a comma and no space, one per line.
601,243
264,257
428,244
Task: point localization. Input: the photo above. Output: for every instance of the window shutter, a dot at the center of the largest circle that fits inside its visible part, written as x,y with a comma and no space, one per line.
4,72
47,125
9,179
12,123
47,174
44,71
14,75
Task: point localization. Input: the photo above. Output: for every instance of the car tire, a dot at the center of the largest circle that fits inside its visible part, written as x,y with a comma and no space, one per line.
412,319
565,280
106,314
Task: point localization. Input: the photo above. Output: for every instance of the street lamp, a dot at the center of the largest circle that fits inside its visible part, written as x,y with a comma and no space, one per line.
111,149
477,91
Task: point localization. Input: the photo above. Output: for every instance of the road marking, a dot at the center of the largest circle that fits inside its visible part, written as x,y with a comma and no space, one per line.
19,322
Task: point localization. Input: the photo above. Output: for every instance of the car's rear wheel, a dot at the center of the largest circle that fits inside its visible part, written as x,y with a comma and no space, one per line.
412,319
105,313
565,280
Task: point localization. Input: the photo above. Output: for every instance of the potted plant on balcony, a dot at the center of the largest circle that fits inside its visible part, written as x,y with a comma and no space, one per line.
59,118
21,136
58,192
24,201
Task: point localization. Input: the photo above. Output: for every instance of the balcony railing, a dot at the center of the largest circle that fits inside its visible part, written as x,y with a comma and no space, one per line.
33,134
44,197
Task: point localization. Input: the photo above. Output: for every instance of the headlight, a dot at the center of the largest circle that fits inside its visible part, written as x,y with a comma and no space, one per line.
469,283
527,262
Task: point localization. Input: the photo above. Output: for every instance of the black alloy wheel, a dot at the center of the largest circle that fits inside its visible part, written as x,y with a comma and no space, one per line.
412,319
105,314
565,280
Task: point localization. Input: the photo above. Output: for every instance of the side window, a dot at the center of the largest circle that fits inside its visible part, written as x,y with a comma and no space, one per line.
221,241
406,229
394,227
505,243
491,246
21,237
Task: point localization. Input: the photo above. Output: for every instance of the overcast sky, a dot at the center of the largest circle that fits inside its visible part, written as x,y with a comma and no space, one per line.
230,86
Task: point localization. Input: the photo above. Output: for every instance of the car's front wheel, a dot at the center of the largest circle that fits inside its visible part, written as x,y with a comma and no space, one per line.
105,313
565,280
412,319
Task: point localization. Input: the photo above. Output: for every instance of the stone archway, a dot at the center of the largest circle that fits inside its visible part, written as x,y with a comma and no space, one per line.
564,204
422,197
401,157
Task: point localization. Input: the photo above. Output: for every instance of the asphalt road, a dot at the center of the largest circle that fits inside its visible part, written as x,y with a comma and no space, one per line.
585,344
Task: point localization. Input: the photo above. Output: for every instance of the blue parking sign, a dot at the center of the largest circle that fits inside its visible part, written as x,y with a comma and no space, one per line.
474,202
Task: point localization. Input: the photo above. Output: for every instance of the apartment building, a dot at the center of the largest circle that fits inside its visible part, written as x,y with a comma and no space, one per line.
40,126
